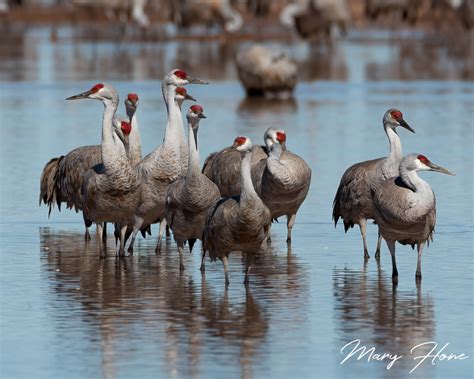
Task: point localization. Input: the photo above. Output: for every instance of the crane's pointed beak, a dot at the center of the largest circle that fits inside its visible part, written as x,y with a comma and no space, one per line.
189,97
405,125
202,115
434,167
192,80
83,95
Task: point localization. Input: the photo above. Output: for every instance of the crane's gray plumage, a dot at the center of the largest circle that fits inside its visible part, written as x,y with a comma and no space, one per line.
405,208
264,72
110,190
354,197
163,165
238,223
282,181
189,198
223,167
62,177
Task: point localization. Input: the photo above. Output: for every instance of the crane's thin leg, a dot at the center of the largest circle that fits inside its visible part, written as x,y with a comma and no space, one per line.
104,233
136,228
203,265
391,247
102,251
87,235
363,231
163,226
379,242
168,232
418,264
181,255
225,262
123,231
116,233
248,264
290,221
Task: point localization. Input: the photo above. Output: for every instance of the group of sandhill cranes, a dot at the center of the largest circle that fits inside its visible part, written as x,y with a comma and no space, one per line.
390,191
229,205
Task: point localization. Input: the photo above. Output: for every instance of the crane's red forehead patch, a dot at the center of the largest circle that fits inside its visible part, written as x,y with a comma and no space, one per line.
180,74
181,91
423,159
133,97
196,109
126,127
97,87
240,140
397,115
281,137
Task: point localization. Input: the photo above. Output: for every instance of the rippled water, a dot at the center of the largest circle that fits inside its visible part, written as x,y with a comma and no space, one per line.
65,313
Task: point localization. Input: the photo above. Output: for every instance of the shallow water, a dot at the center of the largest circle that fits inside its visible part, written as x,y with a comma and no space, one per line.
65,313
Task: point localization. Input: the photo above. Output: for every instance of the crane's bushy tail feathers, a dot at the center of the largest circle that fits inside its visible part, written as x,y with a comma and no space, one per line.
191,243
49,190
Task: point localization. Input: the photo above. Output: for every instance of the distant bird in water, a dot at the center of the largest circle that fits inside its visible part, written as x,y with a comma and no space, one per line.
354,198
282,181
237,223
266,72
189,198
62,177
405,208
224,167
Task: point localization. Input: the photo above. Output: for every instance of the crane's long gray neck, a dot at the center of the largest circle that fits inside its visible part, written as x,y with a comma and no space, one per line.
395,156
411,179
248,191
174,116
134,140
193,151
110,150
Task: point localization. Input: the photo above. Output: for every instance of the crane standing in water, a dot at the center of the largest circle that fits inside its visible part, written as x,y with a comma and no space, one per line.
353,201
405,208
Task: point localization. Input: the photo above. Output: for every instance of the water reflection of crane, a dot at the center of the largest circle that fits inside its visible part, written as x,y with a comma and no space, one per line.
380,315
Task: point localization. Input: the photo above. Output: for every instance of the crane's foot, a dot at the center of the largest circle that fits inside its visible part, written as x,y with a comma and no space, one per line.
102,255
158,250
130,250
366,254
395,280
87,236
181,267
202,268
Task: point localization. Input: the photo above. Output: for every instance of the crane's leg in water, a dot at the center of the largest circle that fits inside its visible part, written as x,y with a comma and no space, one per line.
181,255
290,221
379,242
163,226
248,266
363,231
102,251
391,247
104,233
123,231
203,265
137,225
87,235
225,262
419,247
168,232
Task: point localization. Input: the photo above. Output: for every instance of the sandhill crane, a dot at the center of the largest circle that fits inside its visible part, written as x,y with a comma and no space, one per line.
111,193
238,223
268,73
312,18
405,208
354,197
163,165
62,177
180,96
223,167
209,12
284,182
189,198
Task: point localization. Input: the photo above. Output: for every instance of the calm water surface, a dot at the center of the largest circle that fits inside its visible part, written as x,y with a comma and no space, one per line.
65,313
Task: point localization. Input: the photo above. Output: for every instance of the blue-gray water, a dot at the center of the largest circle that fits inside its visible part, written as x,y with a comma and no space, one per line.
65,313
